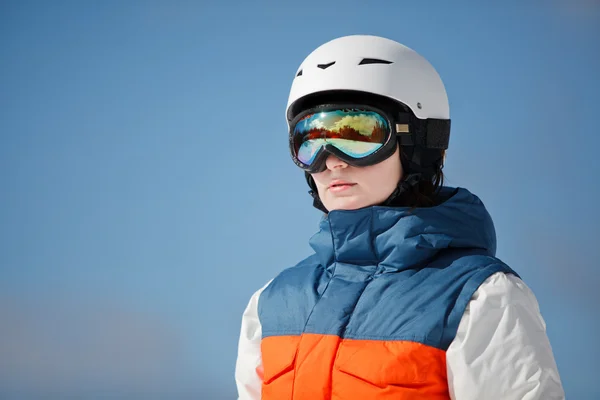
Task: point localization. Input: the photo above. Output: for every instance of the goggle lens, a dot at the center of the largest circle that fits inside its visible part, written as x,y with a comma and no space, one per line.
355,132
355,149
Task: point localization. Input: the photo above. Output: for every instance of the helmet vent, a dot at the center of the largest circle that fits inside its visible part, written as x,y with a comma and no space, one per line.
325,66
299,73
373,61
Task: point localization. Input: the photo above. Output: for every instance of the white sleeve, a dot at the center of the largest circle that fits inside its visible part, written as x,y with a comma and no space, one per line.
501,350
248,367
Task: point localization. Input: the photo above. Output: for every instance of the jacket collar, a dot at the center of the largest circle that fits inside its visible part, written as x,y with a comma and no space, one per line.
399,238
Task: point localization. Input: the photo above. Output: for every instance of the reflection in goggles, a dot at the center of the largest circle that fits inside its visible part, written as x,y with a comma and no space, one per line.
357,133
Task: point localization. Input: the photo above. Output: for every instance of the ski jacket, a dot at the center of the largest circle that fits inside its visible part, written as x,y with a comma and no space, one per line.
398,303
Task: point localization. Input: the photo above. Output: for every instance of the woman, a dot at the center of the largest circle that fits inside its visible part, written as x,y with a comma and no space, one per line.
403,297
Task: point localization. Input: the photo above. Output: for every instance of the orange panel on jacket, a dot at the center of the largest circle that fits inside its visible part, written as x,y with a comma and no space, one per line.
304,367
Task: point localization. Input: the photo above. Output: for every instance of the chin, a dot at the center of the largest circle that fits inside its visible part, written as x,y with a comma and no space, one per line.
346,203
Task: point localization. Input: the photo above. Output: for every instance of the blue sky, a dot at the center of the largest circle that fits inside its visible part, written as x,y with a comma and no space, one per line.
139,211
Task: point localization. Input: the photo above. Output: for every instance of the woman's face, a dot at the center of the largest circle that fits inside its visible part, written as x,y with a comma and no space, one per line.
344,187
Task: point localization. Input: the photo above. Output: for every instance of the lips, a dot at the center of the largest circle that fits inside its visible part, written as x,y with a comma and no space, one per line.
339,186
340,183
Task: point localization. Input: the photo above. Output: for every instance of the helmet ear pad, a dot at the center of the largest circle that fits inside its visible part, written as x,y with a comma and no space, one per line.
422,160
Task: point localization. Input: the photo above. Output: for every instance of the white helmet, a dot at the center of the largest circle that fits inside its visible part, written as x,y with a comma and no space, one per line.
377,71
375,65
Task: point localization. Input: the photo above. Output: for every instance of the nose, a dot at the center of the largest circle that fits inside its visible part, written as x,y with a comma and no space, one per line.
333,162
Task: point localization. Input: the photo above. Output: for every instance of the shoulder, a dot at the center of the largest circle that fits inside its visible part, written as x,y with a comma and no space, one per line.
502,292
291,282
506,286
306,270
484,269
502,326
478,259
502,308
472,268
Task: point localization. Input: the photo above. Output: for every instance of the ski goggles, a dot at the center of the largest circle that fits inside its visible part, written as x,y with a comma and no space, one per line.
358,135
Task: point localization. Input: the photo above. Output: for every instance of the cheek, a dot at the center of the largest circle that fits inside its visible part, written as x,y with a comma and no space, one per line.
319,181
380,176
381,180
379,186
391,172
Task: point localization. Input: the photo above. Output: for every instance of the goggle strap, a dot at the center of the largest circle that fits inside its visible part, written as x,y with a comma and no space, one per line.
405,139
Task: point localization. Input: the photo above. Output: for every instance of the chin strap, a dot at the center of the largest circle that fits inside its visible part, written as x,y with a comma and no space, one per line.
404,186
314,194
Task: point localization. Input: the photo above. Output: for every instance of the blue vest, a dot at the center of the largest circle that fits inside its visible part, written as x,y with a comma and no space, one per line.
379,275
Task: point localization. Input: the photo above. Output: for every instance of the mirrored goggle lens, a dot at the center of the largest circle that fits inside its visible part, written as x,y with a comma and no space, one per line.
357,133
